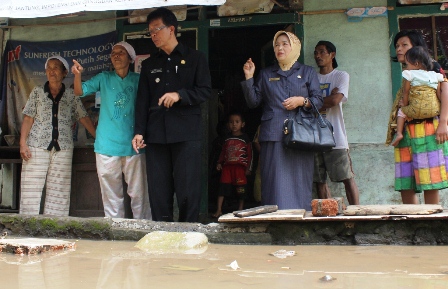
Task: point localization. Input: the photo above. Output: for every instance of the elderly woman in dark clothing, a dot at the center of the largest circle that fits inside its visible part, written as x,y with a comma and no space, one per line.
287,174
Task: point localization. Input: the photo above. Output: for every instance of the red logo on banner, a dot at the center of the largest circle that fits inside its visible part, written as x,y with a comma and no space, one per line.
14,54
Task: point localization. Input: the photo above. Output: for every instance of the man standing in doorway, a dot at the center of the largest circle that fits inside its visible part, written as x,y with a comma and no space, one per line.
173,83
336,163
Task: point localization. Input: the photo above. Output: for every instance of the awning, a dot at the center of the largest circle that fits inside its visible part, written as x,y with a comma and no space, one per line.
412,2
46,8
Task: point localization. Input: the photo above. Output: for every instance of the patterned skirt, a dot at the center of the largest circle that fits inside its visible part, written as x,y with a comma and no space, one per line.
420,162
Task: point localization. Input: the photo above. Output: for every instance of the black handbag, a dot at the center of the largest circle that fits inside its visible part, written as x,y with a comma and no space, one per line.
308,133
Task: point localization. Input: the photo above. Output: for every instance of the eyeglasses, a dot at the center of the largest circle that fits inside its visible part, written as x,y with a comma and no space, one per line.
156,30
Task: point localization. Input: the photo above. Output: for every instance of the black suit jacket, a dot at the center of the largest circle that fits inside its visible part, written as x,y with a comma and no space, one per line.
184,71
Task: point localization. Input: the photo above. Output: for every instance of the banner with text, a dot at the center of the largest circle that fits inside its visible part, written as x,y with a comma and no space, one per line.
46,8
24,68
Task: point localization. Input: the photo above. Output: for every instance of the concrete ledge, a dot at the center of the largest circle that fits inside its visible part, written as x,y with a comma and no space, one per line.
240,238
431,230
48,226
402,232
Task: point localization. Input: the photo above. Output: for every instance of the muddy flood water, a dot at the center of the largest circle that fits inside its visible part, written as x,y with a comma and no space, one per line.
118,264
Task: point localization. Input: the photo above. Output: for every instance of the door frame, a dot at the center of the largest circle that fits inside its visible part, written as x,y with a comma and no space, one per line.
203,27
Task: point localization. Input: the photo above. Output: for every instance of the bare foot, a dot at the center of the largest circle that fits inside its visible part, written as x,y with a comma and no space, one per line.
397,140
217,214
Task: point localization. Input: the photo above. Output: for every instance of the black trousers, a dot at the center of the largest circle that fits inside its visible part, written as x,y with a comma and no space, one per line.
174,169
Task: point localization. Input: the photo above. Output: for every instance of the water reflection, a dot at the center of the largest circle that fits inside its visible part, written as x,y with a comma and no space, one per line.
118,273
50,273
109,264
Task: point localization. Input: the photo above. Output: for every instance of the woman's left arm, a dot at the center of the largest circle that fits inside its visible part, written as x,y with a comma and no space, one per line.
314,94
314,90
88,124
442,128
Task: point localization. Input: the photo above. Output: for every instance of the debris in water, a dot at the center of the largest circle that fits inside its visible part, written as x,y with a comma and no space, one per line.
327,278
234,265
282,254
162,242
182,268
29,246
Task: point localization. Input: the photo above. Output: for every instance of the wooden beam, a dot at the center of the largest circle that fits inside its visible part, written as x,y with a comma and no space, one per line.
434,36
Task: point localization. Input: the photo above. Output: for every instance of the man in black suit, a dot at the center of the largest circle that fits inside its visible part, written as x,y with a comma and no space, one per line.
173,83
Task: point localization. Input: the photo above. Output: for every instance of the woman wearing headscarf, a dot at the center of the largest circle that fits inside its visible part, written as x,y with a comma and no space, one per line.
46,142
421,156
286,174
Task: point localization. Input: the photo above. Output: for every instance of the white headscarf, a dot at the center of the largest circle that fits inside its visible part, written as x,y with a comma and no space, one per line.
60,58
128,48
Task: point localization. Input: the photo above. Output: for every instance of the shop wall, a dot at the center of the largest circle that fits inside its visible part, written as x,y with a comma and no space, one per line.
364,52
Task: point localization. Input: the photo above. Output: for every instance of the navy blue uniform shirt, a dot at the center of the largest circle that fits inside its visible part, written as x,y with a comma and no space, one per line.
184,71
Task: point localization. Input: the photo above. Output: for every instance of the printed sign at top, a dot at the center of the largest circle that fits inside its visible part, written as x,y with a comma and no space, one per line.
357,14
367,12
215,22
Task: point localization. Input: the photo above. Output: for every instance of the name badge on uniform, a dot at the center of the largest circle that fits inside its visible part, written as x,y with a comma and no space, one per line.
156,70
274,78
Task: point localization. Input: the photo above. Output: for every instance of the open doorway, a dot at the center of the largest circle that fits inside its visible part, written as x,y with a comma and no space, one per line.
435,32
229,48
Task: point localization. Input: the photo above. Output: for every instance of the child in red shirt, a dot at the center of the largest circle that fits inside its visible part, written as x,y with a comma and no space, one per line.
235,162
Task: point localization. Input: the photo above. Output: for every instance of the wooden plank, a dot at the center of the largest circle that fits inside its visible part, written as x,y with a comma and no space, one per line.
438,216
365,210
256,211
280,215
302,216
